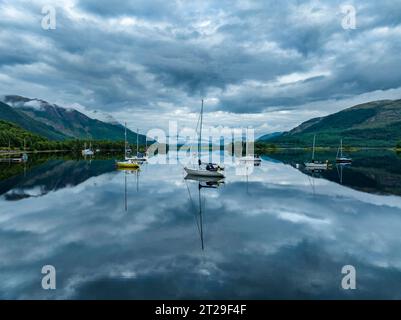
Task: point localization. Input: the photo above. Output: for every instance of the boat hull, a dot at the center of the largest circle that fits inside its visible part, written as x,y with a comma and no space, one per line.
250,159
203,173
136,159
127,165
317,166
204,179
344,160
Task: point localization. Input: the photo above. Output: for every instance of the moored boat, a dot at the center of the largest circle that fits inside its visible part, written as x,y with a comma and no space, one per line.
87,151
204,169
251,158
314,164
127,163
340,158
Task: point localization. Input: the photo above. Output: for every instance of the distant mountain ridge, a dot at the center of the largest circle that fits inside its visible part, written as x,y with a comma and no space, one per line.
372,124
269,136
64,123
19,118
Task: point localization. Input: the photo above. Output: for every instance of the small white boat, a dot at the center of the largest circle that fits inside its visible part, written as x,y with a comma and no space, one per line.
88,151
202,171
340,158
317,165
250,158
313,164
140,157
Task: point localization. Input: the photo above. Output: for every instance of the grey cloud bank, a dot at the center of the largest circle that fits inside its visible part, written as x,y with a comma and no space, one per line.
155,59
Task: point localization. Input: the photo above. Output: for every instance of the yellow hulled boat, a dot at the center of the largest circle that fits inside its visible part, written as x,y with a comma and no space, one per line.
127,164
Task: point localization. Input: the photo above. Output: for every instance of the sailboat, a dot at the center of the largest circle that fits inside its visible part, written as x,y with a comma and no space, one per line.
252,158
313,164
204,169
340,158
88,151
127,162
140,157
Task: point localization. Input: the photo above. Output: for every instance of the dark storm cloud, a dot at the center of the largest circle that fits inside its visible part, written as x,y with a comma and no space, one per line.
112,55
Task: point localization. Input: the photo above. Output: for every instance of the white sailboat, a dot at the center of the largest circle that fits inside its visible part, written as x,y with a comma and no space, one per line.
139,157
88,151
313,164
251,158
340,158
204,169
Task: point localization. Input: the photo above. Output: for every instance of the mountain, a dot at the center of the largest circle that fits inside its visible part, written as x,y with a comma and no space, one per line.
13,135
269,136
372,124
101,116
71,122
19,118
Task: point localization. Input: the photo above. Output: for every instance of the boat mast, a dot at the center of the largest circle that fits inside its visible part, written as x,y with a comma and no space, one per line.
200,134
125,193
137,141
313,149
125,140
341,148
200,216
232,143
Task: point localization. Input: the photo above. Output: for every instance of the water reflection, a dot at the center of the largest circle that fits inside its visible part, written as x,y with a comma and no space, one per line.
51,175
113,234
203,183
127,172
371,171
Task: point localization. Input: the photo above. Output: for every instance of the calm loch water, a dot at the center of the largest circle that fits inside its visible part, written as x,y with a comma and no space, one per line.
279,232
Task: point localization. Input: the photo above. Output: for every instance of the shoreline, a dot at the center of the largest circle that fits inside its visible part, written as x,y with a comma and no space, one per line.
15,152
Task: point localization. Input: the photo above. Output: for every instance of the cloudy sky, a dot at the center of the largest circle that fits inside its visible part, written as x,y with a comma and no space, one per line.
265,64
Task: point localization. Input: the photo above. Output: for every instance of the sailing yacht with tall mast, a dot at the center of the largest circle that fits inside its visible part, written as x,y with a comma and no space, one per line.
204,169
139,157
340,158
127,162
313,164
